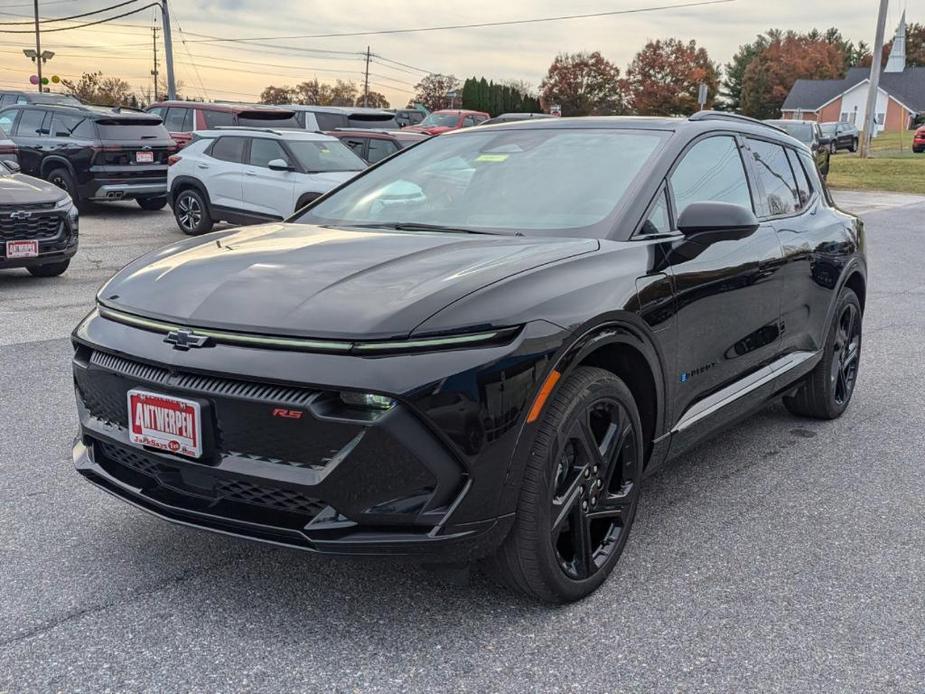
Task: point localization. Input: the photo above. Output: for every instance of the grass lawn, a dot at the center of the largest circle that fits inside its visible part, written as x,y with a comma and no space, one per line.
901,173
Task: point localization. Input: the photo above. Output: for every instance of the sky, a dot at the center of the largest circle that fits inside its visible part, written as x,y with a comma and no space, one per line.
235,71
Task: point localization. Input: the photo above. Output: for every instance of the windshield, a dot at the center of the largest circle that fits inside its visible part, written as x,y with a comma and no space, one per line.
828,128
801,131
508,181
440,120
321,156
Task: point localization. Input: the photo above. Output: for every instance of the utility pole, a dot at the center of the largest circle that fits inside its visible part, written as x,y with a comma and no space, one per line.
168,51
870,113
366,81
154,71
38,45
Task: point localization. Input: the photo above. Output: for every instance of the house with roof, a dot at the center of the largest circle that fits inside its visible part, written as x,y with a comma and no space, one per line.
900,97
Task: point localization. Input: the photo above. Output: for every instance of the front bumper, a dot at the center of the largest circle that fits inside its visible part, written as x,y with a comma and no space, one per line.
55,230
423,479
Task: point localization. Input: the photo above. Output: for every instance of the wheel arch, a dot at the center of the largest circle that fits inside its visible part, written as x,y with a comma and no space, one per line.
857,283
181,183
53,162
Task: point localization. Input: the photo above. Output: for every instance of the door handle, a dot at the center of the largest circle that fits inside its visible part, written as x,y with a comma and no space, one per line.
250,173
203,166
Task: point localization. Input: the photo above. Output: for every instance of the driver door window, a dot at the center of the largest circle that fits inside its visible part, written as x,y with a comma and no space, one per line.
264,151
711,171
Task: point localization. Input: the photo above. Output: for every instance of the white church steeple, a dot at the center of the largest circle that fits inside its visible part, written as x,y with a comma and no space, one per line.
897,60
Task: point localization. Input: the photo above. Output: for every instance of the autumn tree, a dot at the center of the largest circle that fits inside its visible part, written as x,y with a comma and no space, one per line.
915,47
664,78
95,88
431,91
373,100
734,72
312,92
276,95
771,74
583,84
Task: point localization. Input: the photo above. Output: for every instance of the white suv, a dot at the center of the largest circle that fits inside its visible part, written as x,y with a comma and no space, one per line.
252,175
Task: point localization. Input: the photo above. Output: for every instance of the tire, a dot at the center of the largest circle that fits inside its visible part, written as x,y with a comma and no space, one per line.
562,502
827,390
49,269
192,212
152,204
64,180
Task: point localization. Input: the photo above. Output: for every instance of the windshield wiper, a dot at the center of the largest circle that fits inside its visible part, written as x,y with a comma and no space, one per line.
421,226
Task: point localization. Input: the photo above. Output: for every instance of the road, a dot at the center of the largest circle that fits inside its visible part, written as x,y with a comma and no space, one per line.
785,555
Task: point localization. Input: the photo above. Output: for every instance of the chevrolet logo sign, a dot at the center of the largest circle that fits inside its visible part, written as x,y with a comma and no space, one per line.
20,214
186,339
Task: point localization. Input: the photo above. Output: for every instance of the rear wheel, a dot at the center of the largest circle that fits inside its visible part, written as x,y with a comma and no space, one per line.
579,493
64,180
152,204
49,269
192,212
829,387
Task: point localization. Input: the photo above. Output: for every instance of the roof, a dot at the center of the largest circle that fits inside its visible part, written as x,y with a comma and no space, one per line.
907,87
228,108
280,134
346,110
97,111
379,134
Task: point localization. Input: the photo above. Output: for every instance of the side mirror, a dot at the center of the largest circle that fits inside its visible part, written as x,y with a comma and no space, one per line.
717,218
278,165
13,166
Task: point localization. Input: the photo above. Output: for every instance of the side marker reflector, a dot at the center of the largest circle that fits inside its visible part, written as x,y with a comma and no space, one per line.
548,385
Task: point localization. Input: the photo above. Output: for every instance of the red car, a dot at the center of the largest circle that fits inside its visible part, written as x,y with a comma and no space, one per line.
374,145
918,140
446,120
182,118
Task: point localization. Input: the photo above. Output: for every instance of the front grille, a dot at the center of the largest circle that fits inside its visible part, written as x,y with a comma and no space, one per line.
37,226
237,415
234,490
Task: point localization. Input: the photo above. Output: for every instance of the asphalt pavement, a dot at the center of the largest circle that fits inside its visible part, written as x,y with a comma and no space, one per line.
785,555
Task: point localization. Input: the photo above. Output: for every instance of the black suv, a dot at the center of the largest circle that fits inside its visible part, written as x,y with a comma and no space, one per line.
842,135
38,224
477,348
94,153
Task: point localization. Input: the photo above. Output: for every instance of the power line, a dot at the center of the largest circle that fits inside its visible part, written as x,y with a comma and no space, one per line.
88,24
478,25
406,65
74,16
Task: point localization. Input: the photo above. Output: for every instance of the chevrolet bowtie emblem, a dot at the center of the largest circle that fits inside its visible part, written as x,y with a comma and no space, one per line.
186,339
20,214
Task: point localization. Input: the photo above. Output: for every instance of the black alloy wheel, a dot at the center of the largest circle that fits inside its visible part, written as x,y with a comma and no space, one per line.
596,489
63,179
579,492
846,352
191,213
827,390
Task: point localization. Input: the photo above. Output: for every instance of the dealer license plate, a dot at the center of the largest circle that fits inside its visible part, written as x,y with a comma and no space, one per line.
165,423
22,249
144,157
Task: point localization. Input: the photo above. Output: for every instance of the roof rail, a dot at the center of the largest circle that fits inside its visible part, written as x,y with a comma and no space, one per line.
736,117
245,127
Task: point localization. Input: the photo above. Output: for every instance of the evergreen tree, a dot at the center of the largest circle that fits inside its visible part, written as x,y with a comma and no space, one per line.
484,95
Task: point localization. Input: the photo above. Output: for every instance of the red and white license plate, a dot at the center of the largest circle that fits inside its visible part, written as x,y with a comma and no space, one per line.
165,422
22,249
144,157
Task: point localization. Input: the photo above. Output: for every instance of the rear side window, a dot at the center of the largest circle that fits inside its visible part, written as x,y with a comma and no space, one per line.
229,149
331,121
216,119
179,120
711,171
809,166
804,189
30,123
780,195
71,125
380,149
131,129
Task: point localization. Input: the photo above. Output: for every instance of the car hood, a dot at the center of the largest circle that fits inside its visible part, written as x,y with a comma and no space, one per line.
19,189
296,279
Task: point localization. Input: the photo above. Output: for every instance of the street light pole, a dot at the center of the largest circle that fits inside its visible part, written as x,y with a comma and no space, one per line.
168,51
38,45
870,116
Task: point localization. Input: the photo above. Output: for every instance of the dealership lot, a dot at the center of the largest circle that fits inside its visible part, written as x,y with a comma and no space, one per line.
784,555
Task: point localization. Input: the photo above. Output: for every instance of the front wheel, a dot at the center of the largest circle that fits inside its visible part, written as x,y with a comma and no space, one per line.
579,493
49,269
828,389
192,213
152,204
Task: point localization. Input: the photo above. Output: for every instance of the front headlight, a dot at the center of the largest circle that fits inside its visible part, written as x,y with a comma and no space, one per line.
367,400
64,203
